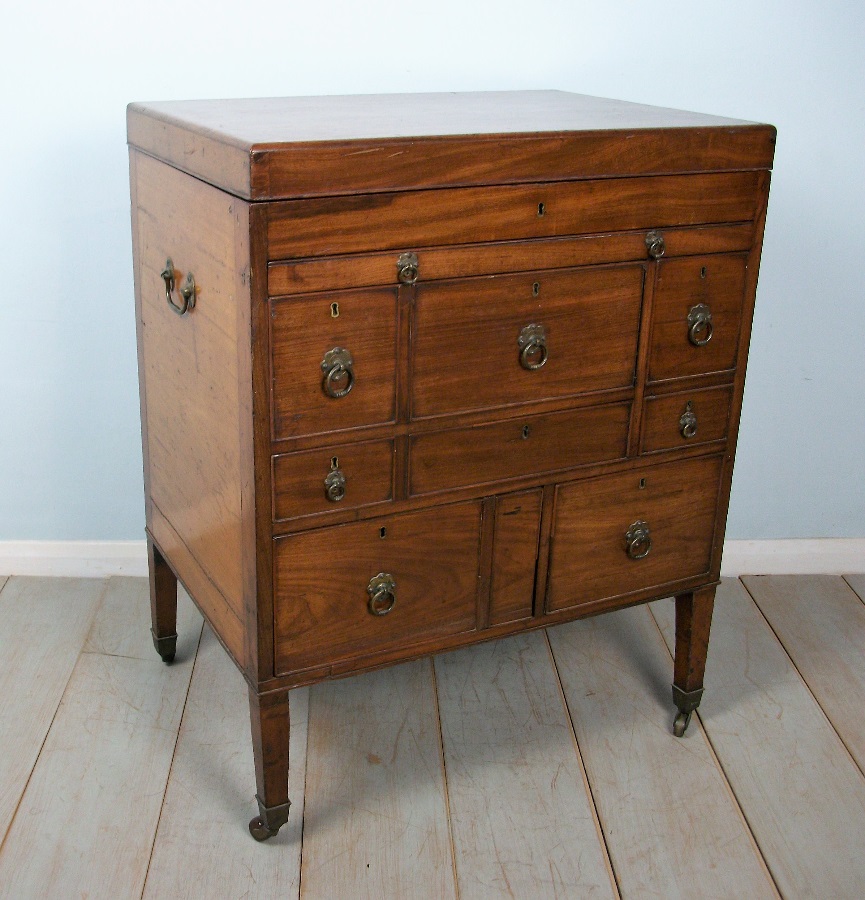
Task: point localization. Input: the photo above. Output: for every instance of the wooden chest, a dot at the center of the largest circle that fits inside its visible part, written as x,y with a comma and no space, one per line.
420,371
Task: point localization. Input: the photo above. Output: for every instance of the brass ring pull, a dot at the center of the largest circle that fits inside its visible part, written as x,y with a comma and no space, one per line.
338,373
688,422
655,244
407,269
187,291
638,542
700,325
533,347
334,485
382,594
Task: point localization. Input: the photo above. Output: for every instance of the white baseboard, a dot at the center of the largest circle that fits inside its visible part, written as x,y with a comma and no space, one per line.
95,559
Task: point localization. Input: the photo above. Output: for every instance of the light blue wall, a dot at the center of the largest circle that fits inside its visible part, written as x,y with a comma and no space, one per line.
70,460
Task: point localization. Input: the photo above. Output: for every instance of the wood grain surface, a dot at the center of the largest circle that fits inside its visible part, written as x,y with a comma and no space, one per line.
662,429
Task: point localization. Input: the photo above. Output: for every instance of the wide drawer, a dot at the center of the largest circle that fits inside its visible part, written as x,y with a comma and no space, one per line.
443,460
686,418
309,375
324,585
481,343
618,534
414,219
696,315
332,478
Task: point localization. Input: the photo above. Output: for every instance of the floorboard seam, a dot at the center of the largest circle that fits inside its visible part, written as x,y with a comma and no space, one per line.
171,766
803,679
594,806
846,580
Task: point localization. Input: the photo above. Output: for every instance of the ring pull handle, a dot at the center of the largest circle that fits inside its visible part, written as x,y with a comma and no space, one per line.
638,542
655,245
334,485
187,291
533,347
688,422
700,327
338,373
407,269
382,594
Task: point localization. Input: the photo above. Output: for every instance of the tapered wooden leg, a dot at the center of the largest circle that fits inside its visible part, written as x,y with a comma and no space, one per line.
693,621
270,730
163,603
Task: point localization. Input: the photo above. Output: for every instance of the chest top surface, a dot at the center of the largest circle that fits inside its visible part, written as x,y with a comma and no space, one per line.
279,148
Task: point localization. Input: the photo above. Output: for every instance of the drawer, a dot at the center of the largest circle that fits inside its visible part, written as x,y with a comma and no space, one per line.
686,418
594,525
304,333
687,291
531,445
415,219
322,582
475,339
335,477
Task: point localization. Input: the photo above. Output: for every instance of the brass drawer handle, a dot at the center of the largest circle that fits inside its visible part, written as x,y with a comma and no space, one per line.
338,373
655,244
407,268
334,485
700,325
382,594
187,291
533,347
638,542
688,422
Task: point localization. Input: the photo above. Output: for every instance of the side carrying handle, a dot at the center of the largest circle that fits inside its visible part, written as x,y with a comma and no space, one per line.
187,291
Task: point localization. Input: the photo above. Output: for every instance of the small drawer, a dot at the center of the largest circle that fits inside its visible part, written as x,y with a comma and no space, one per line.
622,533
686,418
696,316
481,343
332,478
444,460
333,360
330,604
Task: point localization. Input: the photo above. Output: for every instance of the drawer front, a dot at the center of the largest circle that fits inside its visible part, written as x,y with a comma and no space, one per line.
515,553
589,558
322,585
305,332
686,418
687,291
415,219
332,478
475,339
531,445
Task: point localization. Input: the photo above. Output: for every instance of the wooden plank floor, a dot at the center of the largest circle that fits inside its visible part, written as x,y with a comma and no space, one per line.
537,766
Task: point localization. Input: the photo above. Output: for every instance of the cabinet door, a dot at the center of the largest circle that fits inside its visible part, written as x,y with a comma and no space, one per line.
515,554
618,534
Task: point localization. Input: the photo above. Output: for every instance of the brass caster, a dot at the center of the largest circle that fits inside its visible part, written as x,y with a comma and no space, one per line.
259,830
268,821
680,724
166,646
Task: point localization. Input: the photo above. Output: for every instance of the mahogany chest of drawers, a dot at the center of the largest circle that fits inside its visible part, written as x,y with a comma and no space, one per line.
419,371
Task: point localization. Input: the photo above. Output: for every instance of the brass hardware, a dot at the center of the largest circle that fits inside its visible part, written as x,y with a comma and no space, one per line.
382,594
382,532
638,543
686,702
533,347
536,288
655,244
541,209
688,422
334,310
338,373
187,291
700,325
407,268
642,484
702,271
526,431
334,483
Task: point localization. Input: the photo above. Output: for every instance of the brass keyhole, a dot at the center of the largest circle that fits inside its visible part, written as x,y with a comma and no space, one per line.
642,483
536,289
702,272
541,209
334,462
526,431
334,310
382,532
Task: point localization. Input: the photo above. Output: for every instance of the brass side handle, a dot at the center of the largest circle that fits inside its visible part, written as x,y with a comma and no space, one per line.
688,422
533,347
655,245
338,379
407,269
638,541
382,594
700,326
187,290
